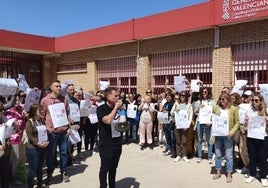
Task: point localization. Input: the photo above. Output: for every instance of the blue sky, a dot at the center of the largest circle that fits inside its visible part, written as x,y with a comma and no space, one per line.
55,18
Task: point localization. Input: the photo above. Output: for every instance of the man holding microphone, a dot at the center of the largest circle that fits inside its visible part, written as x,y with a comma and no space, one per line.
110,146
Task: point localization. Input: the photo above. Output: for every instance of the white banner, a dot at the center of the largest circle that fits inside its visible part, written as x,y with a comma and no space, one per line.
179,83
84,108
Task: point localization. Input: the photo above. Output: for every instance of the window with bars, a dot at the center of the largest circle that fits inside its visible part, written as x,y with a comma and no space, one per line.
250,62
71,67
30,65
119,72
191,63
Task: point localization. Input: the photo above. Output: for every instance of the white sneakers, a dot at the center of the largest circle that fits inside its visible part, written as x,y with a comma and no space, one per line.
264,182
249,179
178,158
198,160
186,159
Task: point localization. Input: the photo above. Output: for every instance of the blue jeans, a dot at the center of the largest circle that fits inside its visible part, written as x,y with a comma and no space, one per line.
35,159
61,140
133,128
200,132
170,138
223,143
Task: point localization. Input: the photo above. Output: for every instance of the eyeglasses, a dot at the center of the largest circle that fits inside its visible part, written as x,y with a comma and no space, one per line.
255,100
245,96
148,92
182,95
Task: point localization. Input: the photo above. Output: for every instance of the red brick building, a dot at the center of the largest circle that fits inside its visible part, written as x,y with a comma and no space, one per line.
216,41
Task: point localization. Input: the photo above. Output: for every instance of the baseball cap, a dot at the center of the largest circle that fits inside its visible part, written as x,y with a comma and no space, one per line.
248,93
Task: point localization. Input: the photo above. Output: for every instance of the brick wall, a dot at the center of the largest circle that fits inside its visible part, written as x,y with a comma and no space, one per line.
222,56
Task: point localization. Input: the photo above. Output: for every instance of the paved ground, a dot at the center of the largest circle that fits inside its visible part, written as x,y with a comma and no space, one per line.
149,169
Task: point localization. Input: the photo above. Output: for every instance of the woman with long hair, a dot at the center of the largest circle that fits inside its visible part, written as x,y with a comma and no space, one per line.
257,147
227,114
36,145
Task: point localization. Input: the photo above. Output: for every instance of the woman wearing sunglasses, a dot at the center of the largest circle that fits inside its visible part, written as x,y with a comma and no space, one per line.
224,127
256,122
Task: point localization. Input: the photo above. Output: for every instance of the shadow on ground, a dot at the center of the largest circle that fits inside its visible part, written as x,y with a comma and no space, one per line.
127,183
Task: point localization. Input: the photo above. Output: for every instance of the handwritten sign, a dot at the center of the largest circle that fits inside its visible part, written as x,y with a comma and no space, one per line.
181,119
179,83
74,112
23,85
220,126
42,133
162,117
239,86
8,86
205,114
32,97
264,91
256,127
84,108
195,85
58,115
131,111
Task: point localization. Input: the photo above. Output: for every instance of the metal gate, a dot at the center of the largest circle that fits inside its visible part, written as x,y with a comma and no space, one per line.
250,63
30,65
191,63
119,72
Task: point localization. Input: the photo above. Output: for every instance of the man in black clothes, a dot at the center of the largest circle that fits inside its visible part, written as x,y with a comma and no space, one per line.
110,146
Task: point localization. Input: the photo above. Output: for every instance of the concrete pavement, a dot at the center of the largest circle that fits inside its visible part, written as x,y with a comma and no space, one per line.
149,169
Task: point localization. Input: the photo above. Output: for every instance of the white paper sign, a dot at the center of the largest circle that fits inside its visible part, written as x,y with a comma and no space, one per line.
42,133
239,86
8,86
2,133
131,111
104,85
58,115
74,136
205,114
9,127
93,118
23,85
220,126
84,108
256,127
195,85
243,108
179,83
181,119
264,91
74,112
32,97
162,117
115,133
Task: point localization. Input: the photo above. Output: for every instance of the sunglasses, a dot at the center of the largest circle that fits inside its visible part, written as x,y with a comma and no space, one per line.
222,99
255,100
182,95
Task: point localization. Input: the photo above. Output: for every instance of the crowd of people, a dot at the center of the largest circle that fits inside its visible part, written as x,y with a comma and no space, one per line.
190,126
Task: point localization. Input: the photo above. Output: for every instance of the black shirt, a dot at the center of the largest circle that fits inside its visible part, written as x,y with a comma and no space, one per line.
105,133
